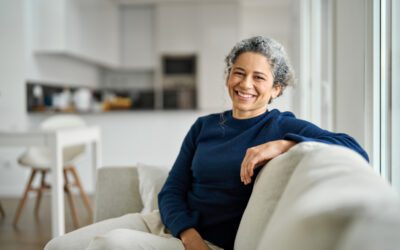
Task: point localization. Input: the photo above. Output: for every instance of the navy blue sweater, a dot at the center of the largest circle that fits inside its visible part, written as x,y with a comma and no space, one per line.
203,189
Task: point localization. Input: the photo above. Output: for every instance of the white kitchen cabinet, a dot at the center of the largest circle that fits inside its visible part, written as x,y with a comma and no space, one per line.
217,35
85,29
177,28
137,37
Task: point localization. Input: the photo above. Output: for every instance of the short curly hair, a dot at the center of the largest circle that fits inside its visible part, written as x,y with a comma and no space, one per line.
275,54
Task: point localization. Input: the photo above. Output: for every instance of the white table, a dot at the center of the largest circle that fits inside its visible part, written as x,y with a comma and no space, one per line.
56,140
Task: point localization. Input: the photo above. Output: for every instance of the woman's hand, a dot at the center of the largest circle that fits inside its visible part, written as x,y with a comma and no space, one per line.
259,155
192,240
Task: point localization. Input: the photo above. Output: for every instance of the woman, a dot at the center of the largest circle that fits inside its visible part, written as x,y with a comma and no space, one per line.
210,183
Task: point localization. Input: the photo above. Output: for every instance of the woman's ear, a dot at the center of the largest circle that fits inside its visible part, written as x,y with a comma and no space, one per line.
276,90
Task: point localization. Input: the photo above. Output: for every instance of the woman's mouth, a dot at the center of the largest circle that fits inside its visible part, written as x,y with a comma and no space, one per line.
244,96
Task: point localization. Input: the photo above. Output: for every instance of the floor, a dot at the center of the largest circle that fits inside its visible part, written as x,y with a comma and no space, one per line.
33,233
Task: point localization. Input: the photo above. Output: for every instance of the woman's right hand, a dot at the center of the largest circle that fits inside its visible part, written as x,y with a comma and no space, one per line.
192,240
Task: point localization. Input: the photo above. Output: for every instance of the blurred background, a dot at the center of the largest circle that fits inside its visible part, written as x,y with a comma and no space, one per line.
144,70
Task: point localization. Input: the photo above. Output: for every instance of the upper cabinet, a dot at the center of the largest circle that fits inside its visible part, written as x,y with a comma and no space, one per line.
177,28
137,37
85,29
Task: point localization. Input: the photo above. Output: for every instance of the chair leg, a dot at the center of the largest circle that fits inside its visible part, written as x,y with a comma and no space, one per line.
71,201
24,197
84,196
3,214
39,192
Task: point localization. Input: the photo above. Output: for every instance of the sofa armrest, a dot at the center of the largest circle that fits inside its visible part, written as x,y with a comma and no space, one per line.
117,192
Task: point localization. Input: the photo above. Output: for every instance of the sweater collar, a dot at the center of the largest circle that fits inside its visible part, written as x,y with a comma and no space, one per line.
230,121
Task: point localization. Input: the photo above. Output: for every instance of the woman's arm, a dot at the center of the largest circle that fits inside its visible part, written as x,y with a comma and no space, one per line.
300,131
292,131
175,212
259,155
192,240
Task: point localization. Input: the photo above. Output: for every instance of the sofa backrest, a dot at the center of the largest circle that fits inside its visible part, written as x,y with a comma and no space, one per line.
117,192
133,189
268,188
333,200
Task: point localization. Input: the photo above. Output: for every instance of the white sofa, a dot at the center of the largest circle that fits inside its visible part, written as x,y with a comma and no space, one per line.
314,197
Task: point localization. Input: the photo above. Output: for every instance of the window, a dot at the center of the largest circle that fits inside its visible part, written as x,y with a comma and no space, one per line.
316,65
386,69
350,73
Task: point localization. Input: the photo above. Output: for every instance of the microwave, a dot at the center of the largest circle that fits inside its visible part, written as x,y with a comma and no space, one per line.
179,71
179,65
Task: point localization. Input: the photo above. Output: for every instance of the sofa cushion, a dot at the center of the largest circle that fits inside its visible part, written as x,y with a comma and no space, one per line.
117,192
268,188
151,180
331,190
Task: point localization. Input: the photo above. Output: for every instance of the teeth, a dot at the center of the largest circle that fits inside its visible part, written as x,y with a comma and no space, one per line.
244,95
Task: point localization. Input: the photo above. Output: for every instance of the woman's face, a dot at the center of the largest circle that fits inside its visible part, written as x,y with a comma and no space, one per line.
250,85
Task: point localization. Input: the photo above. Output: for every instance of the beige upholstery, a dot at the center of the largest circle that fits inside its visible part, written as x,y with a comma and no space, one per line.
314,197
322,201
117,192
267,192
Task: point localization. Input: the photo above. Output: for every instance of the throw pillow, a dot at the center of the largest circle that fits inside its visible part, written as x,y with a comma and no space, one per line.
151,180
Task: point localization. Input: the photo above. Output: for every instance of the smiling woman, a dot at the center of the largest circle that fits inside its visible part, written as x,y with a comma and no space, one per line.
207,190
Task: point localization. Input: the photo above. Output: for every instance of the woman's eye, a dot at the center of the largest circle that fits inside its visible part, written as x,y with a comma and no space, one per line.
260,78
239,73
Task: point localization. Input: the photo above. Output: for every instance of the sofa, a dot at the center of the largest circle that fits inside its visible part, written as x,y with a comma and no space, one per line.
313,197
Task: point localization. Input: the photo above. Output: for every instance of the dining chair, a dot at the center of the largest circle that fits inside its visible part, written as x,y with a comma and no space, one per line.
38,160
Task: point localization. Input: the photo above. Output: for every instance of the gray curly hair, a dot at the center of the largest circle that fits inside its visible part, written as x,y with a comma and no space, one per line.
275,54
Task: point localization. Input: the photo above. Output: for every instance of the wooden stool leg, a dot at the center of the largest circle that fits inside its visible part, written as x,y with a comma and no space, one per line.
39,192
3,214
24,197
84,196
71,201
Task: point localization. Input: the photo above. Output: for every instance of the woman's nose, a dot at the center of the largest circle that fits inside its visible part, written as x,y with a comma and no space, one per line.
246,82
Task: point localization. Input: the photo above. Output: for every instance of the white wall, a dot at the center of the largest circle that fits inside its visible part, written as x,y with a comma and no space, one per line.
350,72
12,48
12,84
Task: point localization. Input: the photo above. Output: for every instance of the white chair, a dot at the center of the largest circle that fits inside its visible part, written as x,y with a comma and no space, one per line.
38,159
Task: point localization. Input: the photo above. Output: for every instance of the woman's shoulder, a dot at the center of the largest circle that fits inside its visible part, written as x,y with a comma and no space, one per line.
282,115
213,117
208,119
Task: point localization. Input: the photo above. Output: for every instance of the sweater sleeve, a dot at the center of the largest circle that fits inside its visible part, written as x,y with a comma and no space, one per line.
301,131
172,199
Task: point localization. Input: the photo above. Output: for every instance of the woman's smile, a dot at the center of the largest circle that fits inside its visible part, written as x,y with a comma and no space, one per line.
245,96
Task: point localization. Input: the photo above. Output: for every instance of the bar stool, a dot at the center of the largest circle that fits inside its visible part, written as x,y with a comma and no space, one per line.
38,160
2,213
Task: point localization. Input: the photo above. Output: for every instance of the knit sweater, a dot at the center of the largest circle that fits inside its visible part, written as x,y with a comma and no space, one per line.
204,190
